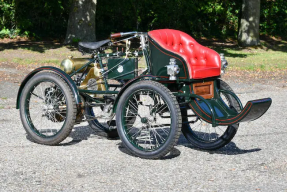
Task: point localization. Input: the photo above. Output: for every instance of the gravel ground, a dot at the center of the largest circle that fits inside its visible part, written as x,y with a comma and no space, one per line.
255,160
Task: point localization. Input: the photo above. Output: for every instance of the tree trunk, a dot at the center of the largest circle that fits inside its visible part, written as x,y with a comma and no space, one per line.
249,25
82,21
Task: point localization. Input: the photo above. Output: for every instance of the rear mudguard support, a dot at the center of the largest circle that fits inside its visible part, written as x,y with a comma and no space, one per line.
66,77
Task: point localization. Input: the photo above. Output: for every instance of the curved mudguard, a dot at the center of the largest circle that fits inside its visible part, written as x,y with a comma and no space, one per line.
65,76
130,82
252,111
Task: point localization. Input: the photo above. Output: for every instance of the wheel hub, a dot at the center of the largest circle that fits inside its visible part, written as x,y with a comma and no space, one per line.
144,120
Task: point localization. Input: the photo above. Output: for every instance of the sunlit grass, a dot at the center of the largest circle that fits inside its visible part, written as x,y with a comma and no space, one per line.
255,59
22,61
252,59
3,59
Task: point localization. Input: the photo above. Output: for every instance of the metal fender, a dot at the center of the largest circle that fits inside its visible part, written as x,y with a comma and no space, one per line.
65,76
129,83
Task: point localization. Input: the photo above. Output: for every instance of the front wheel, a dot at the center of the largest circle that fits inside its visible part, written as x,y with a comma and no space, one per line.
148,119
47,108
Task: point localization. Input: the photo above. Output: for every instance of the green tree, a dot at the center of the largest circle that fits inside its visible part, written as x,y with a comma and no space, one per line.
199,18
42,18
7,13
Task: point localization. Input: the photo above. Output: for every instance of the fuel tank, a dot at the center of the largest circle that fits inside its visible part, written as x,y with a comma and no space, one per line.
72,64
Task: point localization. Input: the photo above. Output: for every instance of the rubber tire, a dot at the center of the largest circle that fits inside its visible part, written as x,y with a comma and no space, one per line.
174,110
228,134
71,105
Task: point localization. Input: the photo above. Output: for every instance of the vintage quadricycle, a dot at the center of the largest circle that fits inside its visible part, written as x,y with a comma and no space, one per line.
179,90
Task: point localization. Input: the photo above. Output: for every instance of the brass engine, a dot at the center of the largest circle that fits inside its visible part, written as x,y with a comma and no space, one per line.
93,79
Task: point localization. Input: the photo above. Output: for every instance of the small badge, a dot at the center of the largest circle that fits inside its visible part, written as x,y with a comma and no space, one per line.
120,68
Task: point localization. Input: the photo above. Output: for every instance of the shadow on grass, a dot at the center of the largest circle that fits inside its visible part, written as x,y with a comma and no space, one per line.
220,46
267,43
275,44
37,46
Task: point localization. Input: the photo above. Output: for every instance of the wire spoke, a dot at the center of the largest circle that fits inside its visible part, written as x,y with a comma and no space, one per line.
141,122
204,131
43,108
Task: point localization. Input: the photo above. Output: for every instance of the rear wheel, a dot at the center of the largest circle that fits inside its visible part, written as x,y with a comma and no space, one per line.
101,119
47,108
100,116
201,134
148,119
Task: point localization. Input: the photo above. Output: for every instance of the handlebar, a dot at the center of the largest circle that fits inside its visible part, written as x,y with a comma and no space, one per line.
121,34
116,35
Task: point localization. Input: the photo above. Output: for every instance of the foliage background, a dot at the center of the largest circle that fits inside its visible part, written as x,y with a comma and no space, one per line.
200,18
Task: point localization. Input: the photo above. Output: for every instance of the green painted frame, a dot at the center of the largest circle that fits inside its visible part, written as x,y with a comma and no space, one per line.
157,58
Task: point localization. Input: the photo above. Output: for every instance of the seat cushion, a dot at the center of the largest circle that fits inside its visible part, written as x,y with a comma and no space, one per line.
94,45
201,61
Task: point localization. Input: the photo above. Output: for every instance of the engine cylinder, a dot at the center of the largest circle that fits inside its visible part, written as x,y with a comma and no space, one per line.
72,64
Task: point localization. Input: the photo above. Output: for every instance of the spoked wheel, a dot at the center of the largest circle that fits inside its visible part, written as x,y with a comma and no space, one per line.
148,119
201,134
47,108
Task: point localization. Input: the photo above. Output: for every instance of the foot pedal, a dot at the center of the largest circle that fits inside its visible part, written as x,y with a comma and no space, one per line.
112,123
113,134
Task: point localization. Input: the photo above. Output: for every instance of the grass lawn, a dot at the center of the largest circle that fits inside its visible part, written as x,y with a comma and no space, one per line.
256,59
270,56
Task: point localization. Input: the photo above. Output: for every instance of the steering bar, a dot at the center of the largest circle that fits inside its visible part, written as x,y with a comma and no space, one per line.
122,34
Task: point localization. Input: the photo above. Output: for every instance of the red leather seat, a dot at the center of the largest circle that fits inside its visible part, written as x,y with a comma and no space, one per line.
201,61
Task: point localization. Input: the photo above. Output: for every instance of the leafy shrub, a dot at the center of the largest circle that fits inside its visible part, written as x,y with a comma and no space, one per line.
4,33
7,12
199,18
